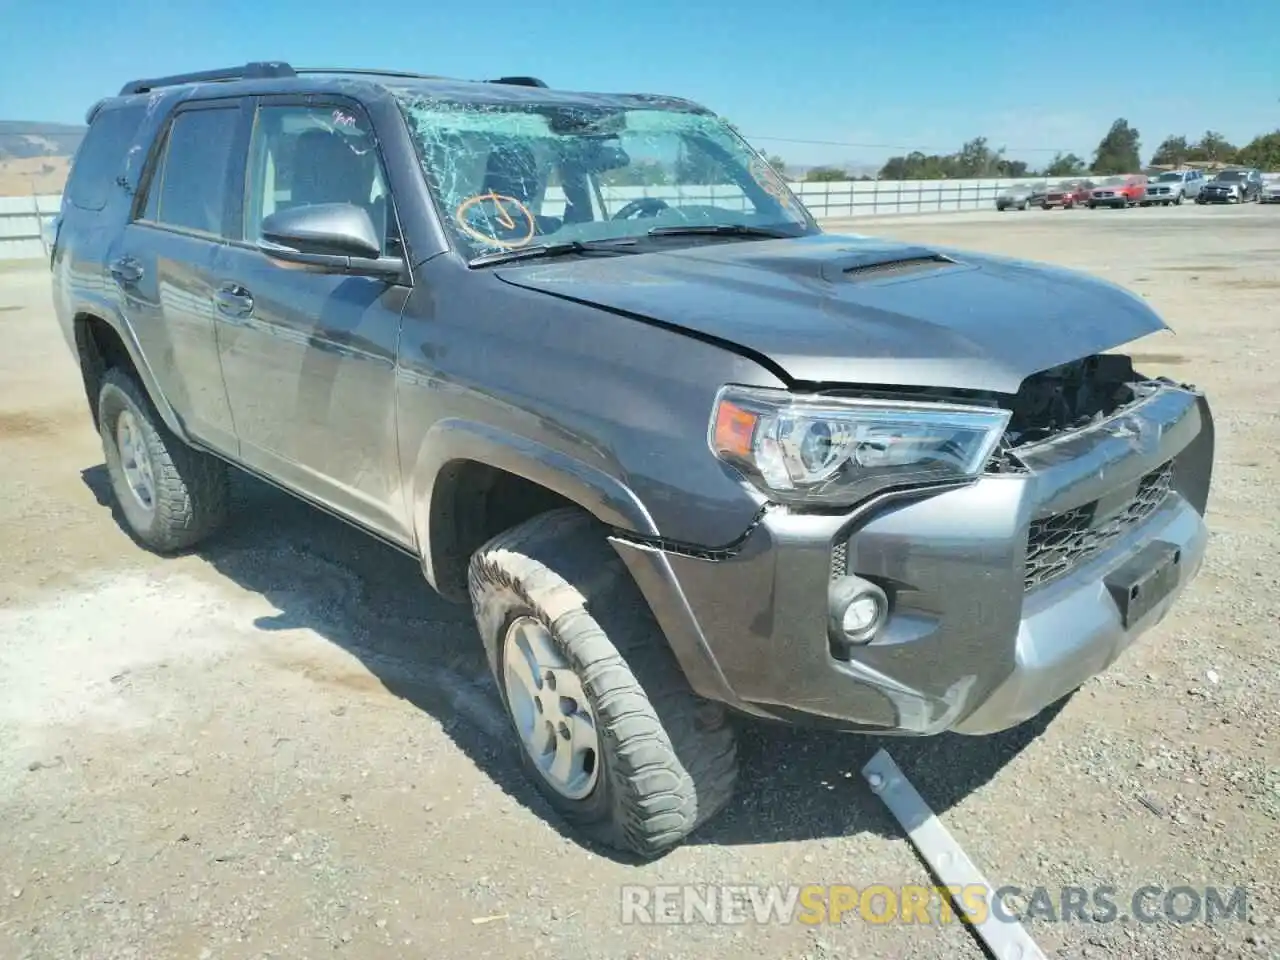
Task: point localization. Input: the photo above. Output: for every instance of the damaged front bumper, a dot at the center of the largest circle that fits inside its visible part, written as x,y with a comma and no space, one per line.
1006,594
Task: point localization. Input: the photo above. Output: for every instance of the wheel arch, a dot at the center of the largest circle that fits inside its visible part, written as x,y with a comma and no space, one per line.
471,481
102,343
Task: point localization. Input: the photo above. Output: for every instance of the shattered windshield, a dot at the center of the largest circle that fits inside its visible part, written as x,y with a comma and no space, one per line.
509,176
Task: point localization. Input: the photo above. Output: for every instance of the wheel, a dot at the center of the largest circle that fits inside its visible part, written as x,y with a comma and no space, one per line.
611,734
1177,201
171,495
1023,205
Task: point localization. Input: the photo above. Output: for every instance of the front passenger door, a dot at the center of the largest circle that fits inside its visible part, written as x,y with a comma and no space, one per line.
309,357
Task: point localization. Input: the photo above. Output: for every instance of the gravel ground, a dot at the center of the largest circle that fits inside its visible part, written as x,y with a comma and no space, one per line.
285,746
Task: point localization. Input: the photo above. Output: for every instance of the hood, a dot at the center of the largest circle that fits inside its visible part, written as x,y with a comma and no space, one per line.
860,310
1229,184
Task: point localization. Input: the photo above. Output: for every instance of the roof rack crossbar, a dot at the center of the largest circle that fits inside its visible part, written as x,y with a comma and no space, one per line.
249,71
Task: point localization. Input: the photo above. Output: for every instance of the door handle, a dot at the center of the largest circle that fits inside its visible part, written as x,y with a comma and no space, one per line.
126,270
234,300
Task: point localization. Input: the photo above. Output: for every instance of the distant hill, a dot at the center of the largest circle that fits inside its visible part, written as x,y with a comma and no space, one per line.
35,157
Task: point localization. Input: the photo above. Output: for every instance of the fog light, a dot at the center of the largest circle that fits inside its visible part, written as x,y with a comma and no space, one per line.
861,615
858,609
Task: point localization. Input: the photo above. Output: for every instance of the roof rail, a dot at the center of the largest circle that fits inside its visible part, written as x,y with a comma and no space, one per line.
263,69
249,71
369,72
519,81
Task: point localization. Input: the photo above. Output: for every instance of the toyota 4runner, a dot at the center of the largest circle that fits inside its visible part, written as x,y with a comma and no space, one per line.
588,359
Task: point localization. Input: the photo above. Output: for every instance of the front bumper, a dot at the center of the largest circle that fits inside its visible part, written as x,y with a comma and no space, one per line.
972,645
1113,200
1214,196
1269,197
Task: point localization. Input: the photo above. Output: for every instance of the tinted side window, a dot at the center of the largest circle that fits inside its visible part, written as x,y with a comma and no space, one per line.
189,187
101,157
302,155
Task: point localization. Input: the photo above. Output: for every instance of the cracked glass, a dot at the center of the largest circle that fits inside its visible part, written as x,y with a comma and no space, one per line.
515,174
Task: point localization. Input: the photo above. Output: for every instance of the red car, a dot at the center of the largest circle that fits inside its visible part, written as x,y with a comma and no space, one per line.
1068,194
1123,191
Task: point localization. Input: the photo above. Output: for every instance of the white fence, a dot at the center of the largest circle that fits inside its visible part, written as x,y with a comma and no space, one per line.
21,218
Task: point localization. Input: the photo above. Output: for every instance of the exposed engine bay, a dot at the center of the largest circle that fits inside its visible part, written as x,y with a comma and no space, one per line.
1070,397
1066,398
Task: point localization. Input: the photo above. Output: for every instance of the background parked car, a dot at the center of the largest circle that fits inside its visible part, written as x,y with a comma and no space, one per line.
1120,191
1232,186
1174,186
1022,195
1068,193
1270,191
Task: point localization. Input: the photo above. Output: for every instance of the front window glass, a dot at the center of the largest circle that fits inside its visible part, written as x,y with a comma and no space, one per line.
1114,182
304,155
1231,175
1168,177
513,175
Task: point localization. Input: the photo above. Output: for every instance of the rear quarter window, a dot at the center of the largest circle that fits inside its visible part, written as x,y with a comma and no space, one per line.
101,157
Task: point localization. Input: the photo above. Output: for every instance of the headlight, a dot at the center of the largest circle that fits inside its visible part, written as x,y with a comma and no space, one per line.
826,450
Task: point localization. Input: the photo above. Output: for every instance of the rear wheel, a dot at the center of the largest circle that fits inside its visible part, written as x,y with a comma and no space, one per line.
610,732
171,495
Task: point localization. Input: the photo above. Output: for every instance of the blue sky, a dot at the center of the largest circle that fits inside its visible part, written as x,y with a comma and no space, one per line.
871,79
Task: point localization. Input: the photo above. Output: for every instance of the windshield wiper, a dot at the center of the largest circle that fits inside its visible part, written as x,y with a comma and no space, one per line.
722,229
560,248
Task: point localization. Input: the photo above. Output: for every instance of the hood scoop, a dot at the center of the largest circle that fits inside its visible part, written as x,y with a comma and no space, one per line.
865,266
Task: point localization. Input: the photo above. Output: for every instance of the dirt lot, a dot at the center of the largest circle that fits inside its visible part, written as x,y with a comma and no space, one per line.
284,746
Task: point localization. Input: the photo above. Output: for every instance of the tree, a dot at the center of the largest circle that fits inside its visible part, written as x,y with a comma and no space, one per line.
976,159
1173,152
1013,169
1118,151
1262,152
778,164
1065,165
1213,146
826,175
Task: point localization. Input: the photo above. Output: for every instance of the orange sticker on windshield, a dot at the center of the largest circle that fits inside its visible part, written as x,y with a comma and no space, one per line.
507,212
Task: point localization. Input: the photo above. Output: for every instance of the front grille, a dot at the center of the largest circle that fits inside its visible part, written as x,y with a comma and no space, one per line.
1059,543
1105,193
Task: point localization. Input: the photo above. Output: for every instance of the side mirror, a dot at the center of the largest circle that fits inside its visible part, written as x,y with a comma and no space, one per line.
332,236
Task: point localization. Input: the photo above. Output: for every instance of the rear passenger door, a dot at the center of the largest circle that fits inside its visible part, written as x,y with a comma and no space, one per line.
163,264
308,356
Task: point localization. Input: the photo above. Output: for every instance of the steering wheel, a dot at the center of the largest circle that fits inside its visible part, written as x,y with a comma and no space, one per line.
644,206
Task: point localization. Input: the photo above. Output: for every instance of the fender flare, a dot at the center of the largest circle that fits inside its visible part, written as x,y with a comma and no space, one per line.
88,312
601,494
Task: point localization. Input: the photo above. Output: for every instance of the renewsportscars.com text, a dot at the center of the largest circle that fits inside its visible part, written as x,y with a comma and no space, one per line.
882,904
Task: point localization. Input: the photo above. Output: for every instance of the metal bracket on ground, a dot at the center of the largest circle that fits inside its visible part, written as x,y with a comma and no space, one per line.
1005,939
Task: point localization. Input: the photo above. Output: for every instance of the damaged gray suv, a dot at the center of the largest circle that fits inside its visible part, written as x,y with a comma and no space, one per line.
589,361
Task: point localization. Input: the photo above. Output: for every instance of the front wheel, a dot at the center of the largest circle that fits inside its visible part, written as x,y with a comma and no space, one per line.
610,732
171,495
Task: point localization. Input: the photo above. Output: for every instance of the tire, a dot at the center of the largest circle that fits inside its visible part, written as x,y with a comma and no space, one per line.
665,759
1177,201
189,495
